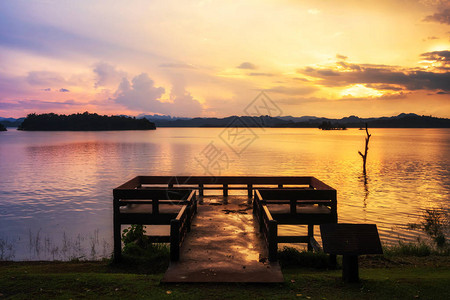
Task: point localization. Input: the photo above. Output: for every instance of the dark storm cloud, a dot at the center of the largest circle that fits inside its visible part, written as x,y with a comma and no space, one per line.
327,72
349,66
437,55
442,17
387,77
441,59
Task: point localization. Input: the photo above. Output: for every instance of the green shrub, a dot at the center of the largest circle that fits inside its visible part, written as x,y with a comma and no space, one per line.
435,223
140,255
291,257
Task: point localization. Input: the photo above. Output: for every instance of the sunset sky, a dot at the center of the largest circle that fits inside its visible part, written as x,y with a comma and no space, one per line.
212,58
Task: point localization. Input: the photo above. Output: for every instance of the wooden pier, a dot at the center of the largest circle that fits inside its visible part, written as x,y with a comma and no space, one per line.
224,238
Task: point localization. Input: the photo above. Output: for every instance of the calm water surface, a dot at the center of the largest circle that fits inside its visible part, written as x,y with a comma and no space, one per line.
56,187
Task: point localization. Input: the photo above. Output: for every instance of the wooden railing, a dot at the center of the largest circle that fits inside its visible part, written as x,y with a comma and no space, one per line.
179,227
323,200
225,183
321,209
143,206
267,226
292,190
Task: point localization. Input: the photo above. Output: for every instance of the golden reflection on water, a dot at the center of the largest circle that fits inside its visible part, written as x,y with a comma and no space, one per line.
54,178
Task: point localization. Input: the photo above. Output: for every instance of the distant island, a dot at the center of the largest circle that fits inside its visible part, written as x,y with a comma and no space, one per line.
83,122
2,128
329,126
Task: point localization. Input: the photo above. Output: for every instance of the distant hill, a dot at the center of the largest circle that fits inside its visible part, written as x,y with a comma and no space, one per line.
400,121
235,121
11,122
2,128
83,122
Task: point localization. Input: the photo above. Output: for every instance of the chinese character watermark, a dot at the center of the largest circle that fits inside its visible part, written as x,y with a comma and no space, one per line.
237,136
212,159
262,105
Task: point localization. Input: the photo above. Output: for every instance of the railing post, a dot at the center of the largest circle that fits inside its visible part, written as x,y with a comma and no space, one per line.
194,204
116,228
155,206
310,235
174,240
200,189
293,206
190,212
254,205
261,217
249,190
225,190
272,239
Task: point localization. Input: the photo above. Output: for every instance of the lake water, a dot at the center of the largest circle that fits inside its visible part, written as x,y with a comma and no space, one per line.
56,187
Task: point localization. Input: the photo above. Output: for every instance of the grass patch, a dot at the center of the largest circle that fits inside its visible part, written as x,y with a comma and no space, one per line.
419,249
99,280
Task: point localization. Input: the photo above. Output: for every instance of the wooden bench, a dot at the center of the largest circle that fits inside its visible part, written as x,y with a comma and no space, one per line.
146,206
293,207
350,240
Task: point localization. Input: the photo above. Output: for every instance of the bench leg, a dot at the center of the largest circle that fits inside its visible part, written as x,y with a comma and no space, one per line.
333,260
350,270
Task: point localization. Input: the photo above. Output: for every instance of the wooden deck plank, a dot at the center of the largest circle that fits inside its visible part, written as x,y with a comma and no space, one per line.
224,245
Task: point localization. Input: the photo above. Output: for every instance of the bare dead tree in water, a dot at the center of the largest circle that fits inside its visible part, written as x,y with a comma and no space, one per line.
364,156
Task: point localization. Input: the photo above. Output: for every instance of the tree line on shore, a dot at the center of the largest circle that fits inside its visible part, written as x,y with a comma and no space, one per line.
83,122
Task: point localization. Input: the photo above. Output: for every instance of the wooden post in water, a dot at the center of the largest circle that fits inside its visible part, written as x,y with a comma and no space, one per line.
364,156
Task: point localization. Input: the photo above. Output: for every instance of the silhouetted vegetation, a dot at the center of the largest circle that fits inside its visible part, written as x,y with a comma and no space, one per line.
83,122
436,224
142,255
292,258
326,125
419,249
2,128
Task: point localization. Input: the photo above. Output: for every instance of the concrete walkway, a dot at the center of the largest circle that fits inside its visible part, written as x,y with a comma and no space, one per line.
224,245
